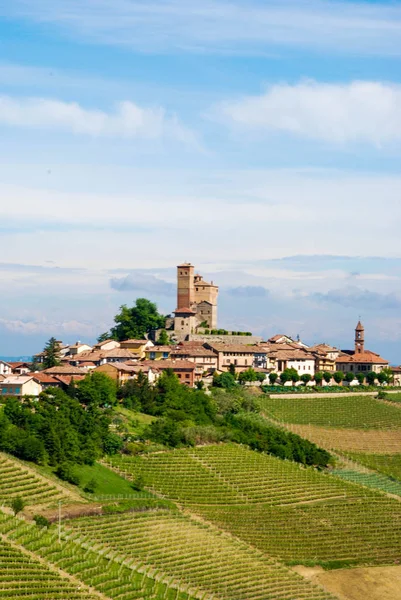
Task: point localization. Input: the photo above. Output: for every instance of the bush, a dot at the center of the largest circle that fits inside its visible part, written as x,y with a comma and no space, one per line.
41,521
91,486
66,472
17,505
381,395
138,484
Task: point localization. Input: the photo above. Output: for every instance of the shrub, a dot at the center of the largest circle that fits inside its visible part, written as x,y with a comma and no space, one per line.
338,377
41,521
66,473
17,505
273,378
139,483
91,486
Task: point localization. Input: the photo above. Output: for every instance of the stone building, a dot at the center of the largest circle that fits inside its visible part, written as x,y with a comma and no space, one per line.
196,301
360,360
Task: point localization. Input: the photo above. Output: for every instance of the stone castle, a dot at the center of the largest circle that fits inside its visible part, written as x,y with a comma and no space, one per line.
196,302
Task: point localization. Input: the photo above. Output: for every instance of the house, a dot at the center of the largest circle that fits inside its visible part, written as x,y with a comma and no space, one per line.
396,371
106,345
184,369
122,372
239,355
20,367
280,339
95,358
185,321
292,358
45,380
325,357
137,347
206,361
20,385
65,371
158,352
78,348
5,368
360,360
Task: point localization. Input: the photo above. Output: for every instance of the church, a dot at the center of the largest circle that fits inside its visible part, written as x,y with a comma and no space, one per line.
196,302
360,360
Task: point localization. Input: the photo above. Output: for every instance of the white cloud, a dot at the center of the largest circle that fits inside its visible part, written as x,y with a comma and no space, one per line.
361,111
127,121
235,27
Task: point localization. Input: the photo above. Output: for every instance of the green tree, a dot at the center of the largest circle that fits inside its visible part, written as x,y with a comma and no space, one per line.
318,377
371,377
382,377
289,374
273,378
17,505
232,371
225,380
338,376
247,376
98,389
327,376
137,321
163,339
360,378
349,376
306,378
103,337
285,377
51,354
389,374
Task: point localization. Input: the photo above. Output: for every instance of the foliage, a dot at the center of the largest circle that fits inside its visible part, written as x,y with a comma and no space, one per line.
306,378
41,521
232,371
248,376
103,337
382,377
139,483
338,376
17,504
55,429
360,377
289,374
137,321
318,377
327,376
163,339
349,377
224,380
371,377
65,471
51,354
97,389
273,378
91,486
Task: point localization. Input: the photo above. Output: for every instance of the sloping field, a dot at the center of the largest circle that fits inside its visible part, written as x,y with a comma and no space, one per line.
385,441
18,480
372,480
357,412
23,577
196,554
289,512
106,576
389,465
228,474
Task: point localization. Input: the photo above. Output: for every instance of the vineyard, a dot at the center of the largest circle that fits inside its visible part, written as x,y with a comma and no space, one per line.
289,512
21,576
358,412
389,465
18,480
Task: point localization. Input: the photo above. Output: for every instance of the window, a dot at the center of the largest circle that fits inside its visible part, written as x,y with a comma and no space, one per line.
17,390
165,354
187,375
152,355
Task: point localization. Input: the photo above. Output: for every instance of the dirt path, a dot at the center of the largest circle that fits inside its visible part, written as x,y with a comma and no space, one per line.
92,593
366,583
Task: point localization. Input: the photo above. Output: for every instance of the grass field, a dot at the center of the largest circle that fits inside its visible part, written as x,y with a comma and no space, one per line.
357,412
289,512
371,480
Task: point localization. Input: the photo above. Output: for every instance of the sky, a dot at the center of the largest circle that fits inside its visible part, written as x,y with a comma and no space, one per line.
259,140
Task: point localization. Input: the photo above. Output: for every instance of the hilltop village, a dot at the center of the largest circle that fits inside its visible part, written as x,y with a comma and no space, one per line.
196,351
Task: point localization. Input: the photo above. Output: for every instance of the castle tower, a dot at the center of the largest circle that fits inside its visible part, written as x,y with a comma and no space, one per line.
185,286
359,338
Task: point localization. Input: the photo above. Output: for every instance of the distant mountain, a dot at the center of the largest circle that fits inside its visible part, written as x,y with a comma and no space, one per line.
16,358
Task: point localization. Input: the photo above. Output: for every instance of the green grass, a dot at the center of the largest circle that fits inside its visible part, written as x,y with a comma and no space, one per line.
372,480
360,412
387,464
108,482
395,397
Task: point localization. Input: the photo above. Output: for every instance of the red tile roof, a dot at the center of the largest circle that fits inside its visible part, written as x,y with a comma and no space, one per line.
362,357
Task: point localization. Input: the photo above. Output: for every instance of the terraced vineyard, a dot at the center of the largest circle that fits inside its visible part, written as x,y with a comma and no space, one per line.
389,465
371,480
289,512
228,474
359,412
18,480
21,576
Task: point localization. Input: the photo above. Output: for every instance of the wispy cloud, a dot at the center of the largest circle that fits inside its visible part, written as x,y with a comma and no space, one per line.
142,282
361,111
362,299
127,120
239,26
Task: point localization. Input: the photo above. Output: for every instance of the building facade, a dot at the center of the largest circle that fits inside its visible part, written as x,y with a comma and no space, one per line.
197,295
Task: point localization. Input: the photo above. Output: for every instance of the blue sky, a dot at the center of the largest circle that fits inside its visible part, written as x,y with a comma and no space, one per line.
259,140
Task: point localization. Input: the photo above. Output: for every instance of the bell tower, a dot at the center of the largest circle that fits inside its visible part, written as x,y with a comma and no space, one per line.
185,286
359,338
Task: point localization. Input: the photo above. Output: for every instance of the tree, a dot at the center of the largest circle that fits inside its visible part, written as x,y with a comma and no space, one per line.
349,377
98,389
137,321
51,353
389,374
284,377
103,337
231,369
17,505
382,377
163,339
247,376
318,377
273,378
338,376
371,377
327,376
305,378
360,377
225,380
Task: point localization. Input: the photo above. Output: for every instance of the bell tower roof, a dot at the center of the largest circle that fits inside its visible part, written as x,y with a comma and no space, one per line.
359,327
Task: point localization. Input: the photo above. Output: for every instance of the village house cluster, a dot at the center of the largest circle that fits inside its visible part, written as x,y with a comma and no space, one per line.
198,350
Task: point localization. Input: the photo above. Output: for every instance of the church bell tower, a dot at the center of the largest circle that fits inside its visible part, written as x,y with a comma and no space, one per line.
359,338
